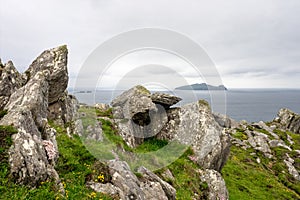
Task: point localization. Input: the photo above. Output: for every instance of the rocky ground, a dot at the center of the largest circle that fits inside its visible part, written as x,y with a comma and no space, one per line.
53,148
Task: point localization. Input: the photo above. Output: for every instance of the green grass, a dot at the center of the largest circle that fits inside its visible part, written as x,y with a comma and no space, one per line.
186,178
246,179
75,166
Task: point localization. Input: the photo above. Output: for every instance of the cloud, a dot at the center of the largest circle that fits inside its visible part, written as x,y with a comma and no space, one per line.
247,38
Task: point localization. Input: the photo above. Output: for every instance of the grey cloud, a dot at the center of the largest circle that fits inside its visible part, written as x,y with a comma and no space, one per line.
249,37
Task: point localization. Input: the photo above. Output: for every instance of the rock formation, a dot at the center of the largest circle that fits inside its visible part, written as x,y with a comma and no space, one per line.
289,120
29,100
139,115
128,186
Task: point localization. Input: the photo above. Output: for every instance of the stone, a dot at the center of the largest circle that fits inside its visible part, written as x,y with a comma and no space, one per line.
288,120
10,81
124,178
128,186
34,151
136,116
55,61
216,184
64,110
193,124
150,176
292,170
166,100
225,121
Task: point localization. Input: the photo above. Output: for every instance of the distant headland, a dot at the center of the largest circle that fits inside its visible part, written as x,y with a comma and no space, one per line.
201,86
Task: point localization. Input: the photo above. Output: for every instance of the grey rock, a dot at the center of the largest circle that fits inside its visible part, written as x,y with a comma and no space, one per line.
150,176
292,170
195,125
106,188
10,81
216,184
128,186
225,121
166,100
34,97
34,151
124,178
64,110
55,61
279,143
289,120
136,116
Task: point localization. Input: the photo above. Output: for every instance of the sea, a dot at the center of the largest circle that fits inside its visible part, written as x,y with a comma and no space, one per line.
252,105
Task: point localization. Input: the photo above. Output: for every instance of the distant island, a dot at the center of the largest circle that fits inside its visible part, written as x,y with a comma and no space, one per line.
201,86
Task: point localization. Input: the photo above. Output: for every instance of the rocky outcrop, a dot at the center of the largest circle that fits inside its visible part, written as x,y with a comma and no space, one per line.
10,81
289,120
191,124
272,141
126,185
34,97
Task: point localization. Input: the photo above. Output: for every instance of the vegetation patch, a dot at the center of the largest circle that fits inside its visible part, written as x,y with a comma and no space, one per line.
246,179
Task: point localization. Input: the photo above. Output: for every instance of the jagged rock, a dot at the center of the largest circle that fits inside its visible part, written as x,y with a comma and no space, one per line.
34,97
10,81
195,125
132,102
166,100
123,178
129,186
150,176
216,184
225,121
55,61
136,116
259,141
64,110
289,120
292,170
279,143
34,151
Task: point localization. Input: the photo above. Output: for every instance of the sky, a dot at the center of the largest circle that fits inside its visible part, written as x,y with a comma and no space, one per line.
252,43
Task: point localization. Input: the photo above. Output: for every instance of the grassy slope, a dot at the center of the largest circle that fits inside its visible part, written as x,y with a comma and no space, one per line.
246,179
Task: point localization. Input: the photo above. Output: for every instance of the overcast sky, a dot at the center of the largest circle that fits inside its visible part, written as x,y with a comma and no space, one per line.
253,43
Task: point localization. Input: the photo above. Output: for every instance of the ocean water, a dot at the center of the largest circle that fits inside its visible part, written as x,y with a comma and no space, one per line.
252,105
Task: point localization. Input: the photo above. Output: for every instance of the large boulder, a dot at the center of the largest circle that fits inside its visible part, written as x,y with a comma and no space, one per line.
193,124
136,116
289,120
10,81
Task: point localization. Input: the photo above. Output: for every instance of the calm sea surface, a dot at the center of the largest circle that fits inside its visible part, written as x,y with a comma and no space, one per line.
250,104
